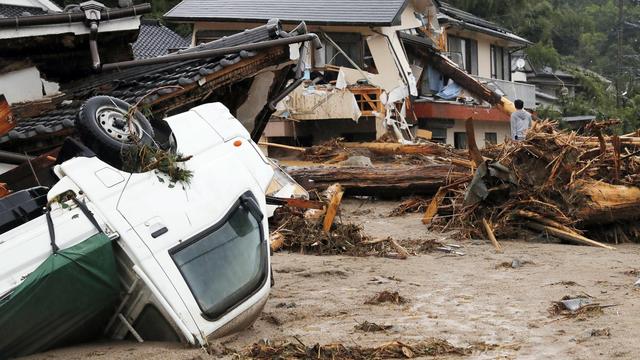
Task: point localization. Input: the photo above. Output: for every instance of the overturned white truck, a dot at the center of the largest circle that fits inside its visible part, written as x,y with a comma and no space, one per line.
108,253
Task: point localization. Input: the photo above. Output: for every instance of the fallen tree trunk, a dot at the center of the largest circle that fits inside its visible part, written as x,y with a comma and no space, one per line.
425,179
399,149
602,203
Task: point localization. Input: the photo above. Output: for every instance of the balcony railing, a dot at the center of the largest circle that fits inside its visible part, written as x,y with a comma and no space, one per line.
512,90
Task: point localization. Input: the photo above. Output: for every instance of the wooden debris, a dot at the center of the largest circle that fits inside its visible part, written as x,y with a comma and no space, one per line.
371,327
432,209
282,146
332,208
386,297
392,350
474,153
276,241
7,122
569,236
425,179
490,235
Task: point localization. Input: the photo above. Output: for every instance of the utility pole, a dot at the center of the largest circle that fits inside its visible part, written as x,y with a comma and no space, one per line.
619,72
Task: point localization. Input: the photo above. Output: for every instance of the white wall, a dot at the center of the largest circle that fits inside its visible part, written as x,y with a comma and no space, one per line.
484,58
25,85
44,4
501,128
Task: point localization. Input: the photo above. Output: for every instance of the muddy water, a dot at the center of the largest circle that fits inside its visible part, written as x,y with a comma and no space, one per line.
462,299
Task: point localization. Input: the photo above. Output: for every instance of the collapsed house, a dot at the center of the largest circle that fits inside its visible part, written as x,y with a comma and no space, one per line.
248,72
373,74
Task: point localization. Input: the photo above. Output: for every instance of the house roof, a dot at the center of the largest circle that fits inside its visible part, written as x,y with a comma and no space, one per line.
156,39
579,118
453,15
327,12
132,85
7,11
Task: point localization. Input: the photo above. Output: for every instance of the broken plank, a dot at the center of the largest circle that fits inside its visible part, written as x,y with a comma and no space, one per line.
282,146
474,152
399,149
432,209
491,235
332,209
574,237
398,178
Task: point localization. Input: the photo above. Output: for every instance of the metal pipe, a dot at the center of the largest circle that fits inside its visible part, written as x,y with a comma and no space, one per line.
14,158
93,45
210,53
64,18
284,93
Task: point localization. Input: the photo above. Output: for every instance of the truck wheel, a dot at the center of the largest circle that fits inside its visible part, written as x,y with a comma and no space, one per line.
103,127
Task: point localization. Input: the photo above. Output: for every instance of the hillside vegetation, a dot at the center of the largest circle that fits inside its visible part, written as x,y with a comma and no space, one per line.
574,34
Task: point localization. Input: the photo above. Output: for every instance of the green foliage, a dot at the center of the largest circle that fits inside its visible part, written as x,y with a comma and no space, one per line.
569,34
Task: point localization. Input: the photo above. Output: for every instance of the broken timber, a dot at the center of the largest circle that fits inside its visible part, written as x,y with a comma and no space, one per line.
424,179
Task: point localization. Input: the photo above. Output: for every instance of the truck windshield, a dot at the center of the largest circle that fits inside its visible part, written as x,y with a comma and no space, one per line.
225,264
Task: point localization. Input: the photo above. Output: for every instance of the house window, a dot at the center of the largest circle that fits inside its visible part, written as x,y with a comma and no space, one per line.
500,63
439,135
490,138
351,43
460,140
465,53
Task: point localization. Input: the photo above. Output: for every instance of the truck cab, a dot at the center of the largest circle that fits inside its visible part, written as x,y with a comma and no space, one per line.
192,258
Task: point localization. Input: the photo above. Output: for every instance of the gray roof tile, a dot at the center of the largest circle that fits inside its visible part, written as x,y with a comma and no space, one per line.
128,85
362,12
155,40
15,10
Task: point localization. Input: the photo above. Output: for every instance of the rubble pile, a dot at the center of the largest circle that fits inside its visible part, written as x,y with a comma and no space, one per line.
307,236
392,350
559,183
380,168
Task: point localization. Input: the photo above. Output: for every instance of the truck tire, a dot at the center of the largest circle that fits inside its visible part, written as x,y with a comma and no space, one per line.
102,126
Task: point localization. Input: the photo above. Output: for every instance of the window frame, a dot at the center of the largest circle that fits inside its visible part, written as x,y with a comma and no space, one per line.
247,200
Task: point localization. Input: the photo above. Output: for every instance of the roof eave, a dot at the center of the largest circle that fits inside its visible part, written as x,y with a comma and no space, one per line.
514,39
176,19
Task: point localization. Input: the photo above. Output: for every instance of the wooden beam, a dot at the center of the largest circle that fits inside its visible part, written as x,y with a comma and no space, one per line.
332,209
577,238
490,235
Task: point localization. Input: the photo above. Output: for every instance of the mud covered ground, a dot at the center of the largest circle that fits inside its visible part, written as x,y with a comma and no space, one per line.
477,299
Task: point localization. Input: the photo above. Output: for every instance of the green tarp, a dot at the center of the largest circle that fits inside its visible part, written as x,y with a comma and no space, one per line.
67,299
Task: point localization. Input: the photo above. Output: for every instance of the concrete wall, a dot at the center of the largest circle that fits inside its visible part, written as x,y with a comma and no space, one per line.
501,128
25,85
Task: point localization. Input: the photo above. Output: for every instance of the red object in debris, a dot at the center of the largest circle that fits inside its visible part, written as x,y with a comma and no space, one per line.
6,117
431,110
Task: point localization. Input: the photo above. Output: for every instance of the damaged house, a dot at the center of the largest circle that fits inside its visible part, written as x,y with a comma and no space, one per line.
375,72
68,67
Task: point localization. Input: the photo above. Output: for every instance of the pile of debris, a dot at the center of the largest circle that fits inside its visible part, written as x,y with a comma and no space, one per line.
558,183
379,168
296,233
392,350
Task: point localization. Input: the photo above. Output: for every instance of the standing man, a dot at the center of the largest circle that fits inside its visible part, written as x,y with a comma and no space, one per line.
520,121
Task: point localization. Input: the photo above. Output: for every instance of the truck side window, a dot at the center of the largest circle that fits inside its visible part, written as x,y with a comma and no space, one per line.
225,264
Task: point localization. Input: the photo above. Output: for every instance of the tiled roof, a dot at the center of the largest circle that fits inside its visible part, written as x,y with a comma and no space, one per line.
351,12
156,39
133,84
7,11
453,14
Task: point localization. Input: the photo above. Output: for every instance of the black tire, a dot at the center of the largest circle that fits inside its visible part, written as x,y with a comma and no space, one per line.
108,141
